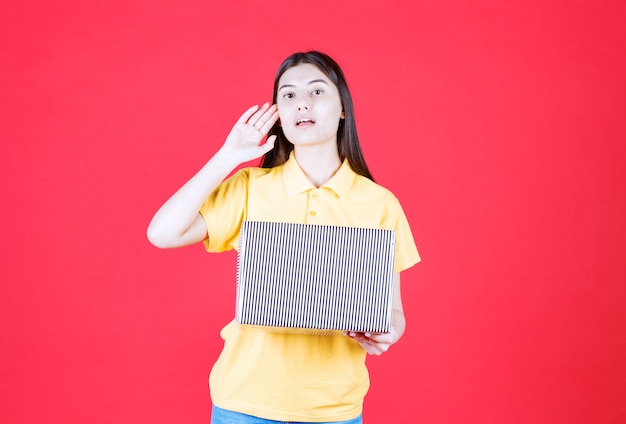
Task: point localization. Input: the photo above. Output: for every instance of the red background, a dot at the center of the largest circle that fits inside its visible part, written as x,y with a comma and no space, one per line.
499,125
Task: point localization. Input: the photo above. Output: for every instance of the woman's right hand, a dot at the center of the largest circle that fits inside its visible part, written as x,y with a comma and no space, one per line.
244,140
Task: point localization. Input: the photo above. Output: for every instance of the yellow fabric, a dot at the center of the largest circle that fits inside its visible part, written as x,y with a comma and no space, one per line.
295,377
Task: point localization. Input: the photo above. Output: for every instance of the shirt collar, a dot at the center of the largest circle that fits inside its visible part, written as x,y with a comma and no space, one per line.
296,182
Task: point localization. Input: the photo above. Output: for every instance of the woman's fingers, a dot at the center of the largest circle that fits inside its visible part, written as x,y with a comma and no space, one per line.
256,116
269,144
261,118
268,120
247,114
264,118
374,344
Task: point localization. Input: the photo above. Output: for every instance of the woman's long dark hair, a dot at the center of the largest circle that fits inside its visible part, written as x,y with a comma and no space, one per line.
347,139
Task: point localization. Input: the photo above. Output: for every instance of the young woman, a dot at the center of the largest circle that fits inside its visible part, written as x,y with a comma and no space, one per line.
313,172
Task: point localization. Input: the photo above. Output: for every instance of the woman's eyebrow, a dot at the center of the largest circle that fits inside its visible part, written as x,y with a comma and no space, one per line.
310,82
285,86
317,80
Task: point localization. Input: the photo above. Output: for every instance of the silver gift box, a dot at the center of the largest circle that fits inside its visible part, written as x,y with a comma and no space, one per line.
315,278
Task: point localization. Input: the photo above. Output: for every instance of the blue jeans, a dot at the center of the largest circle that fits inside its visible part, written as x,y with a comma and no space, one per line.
223,416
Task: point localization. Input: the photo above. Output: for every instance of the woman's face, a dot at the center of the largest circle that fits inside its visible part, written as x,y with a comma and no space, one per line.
309,106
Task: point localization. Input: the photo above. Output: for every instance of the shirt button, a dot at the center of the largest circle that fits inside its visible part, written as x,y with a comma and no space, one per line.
313,213
316,195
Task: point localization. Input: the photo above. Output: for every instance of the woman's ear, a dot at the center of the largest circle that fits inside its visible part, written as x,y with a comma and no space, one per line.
343,115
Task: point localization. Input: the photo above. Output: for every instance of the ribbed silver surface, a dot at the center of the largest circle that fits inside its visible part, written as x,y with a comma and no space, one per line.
315,277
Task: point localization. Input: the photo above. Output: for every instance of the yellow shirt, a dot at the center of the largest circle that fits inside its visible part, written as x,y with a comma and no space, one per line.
296,377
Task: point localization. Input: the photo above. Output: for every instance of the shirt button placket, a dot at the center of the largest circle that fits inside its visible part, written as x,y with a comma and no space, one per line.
313,203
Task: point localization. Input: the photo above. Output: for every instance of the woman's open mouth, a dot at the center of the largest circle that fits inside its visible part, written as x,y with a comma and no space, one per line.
304,122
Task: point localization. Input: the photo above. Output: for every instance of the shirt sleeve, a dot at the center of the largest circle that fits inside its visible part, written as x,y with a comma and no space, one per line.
406,251
224,211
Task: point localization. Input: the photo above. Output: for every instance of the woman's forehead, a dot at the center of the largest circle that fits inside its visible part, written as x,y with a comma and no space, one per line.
301,75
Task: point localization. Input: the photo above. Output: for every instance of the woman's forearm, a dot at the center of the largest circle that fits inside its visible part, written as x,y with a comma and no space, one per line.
176,223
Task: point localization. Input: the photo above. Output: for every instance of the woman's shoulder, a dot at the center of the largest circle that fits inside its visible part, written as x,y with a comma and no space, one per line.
373,189
252,172
248,177
255,172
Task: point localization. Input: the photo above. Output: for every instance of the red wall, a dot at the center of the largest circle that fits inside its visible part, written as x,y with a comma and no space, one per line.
499,125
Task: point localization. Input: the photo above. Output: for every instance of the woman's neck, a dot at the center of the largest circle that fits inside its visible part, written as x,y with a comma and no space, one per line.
318,164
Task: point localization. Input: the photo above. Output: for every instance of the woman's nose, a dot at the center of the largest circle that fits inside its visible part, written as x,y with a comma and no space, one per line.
302,106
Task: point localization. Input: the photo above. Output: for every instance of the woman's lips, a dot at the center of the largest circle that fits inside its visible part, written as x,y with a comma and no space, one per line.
304,122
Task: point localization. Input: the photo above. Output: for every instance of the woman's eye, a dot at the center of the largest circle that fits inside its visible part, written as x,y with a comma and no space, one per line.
288,95
317,92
